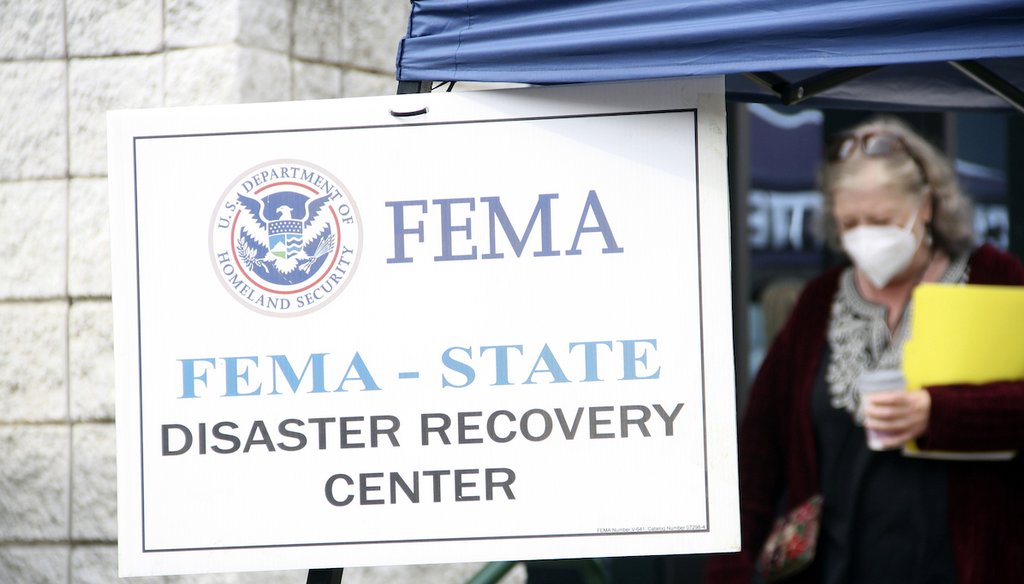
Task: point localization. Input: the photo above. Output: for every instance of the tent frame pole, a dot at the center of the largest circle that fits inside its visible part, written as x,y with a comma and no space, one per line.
988,79
794,93
405,87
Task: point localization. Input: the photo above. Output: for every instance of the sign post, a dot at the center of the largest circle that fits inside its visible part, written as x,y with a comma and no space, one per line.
499,329
325,576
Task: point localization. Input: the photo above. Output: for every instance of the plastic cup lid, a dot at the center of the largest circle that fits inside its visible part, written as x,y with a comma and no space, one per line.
881,379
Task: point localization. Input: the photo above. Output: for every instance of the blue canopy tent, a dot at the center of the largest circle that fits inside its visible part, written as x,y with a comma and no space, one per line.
872,54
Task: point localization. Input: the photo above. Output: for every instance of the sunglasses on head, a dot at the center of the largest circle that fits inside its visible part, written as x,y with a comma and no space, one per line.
877,144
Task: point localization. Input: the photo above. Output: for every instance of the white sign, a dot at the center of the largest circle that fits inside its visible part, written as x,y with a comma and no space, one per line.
499,328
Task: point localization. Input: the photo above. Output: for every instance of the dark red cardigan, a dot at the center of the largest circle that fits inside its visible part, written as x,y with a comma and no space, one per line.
777,451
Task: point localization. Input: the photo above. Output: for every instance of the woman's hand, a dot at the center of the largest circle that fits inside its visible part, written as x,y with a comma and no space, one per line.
901,415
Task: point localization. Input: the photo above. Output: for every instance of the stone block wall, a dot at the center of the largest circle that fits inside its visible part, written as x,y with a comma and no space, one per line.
63,64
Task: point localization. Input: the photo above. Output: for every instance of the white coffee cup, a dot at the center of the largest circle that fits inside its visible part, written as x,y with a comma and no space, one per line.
875,383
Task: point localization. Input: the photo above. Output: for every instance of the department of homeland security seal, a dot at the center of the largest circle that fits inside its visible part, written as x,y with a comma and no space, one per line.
285,238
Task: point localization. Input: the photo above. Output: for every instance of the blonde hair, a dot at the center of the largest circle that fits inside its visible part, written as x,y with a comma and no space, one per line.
923,170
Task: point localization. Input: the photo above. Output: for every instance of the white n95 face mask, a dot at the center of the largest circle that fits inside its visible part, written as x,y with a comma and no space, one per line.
881,251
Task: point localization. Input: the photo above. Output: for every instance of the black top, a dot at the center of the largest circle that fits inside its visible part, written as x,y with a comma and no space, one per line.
885,515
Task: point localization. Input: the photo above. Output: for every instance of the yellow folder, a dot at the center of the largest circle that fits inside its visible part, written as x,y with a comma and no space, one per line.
964,334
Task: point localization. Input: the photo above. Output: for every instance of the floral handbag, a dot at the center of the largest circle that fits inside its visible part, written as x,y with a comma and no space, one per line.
791,545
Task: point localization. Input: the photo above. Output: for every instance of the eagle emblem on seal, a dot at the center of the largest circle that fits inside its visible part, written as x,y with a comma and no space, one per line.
284,237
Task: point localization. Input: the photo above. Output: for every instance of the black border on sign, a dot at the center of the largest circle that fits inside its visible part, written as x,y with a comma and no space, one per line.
700,301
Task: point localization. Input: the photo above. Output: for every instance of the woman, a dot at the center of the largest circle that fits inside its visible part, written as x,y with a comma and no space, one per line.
895,209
